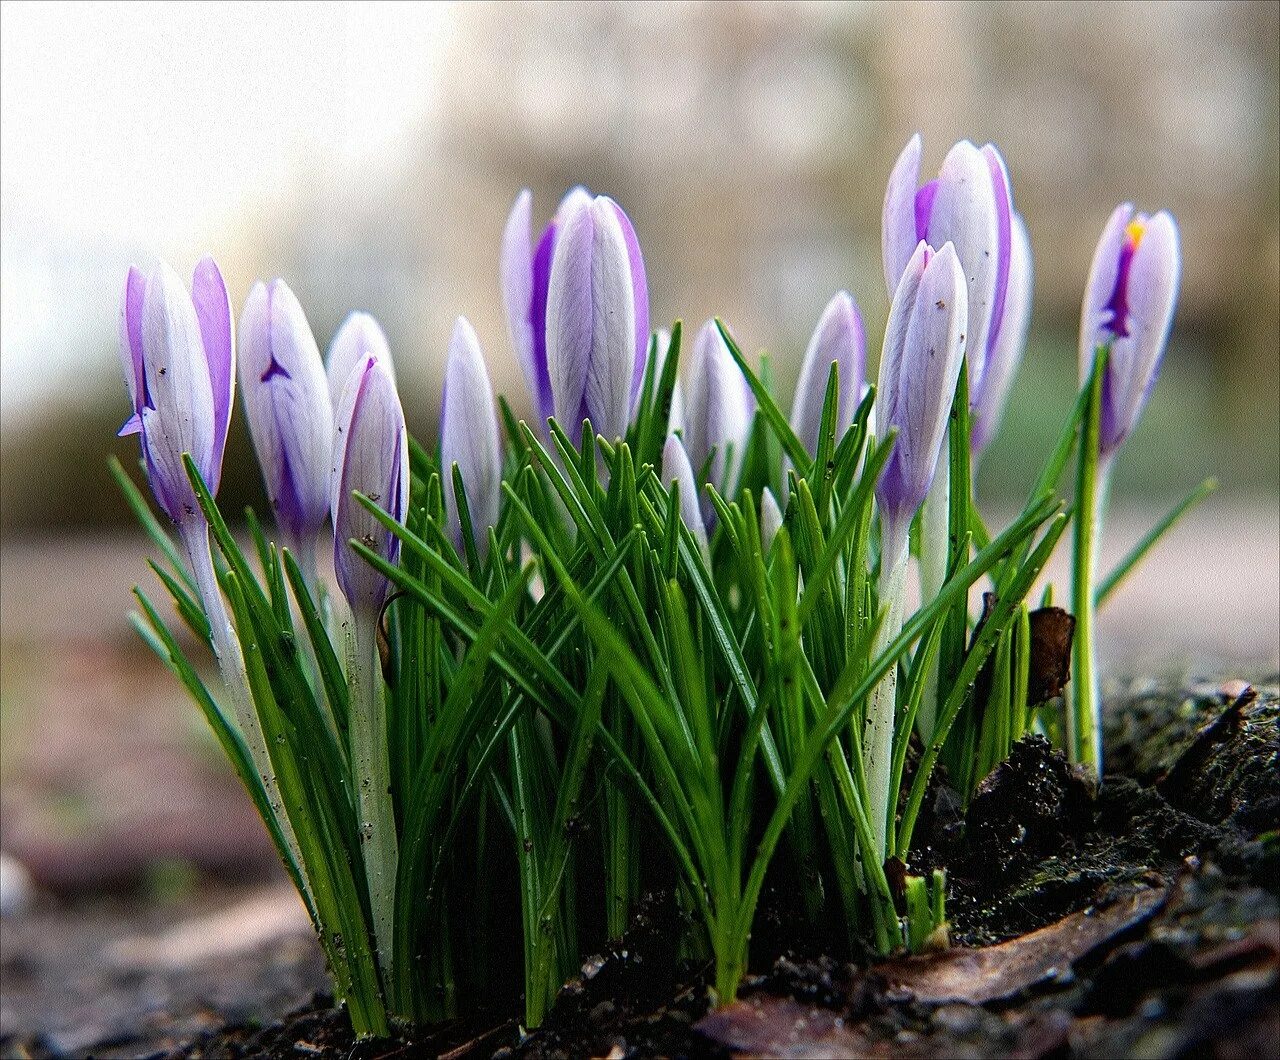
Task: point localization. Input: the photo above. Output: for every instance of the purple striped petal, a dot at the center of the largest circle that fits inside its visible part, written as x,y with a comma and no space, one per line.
359,337
370,456
469,437
135,376
570,327
966,215
640,300
1150,295
516,268
1006,355
1004,230
676,468
718,409
287,403
839,337
177,379
213,310
923,360
1096,314
898,220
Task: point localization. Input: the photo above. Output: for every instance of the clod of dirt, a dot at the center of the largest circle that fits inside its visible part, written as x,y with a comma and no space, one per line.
1029,806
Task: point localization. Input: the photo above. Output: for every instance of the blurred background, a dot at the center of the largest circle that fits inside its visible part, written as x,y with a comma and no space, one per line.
369,154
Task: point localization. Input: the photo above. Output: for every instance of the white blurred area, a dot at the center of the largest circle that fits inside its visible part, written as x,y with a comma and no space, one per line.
138,131
368,153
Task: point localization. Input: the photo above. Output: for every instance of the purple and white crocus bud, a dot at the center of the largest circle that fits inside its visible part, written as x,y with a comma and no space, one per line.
924,347
676,468
920,364
1011,339
179,366
359,337
839,338
969,204
589,296
1128,308
718,407
290,413
469,437
371,456
770,519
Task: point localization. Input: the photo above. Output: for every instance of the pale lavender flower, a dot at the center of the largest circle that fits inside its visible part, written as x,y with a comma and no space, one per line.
676,468
718,407
969,204
770,519
924,345
370,455
359,337
287,404
469,436
1006,353
1128,307
838,338
179,365
589,298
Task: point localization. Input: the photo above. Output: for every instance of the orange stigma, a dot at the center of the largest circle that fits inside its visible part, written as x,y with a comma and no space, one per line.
1134,230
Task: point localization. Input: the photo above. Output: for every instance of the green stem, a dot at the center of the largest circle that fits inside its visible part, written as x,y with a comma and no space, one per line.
878,750
194,534
1084,727
372,770
935,549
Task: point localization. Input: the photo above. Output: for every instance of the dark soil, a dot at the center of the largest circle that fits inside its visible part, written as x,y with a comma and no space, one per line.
1138,919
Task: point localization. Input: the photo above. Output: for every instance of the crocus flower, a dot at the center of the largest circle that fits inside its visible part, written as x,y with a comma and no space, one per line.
179,366
717,410
1128,307
469,436
969,204
676,468
838,337
287,403
359,337
370,455
1011,339
924,346
587,295
770,519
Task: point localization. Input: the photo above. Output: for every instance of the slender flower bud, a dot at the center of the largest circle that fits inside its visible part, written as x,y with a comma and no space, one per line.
839,337
287,403
718,408
469,436
770,519
597,315
969,205
1128,307
370,455
1011,340
359,337
924,345
179,366
676,468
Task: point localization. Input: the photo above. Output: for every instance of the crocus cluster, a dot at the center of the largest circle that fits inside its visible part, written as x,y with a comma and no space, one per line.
181,366
970,205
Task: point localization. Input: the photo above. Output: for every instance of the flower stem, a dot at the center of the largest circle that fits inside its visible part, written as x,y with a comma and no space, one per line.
372,767
1084,719
935,550
194,534
878,741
